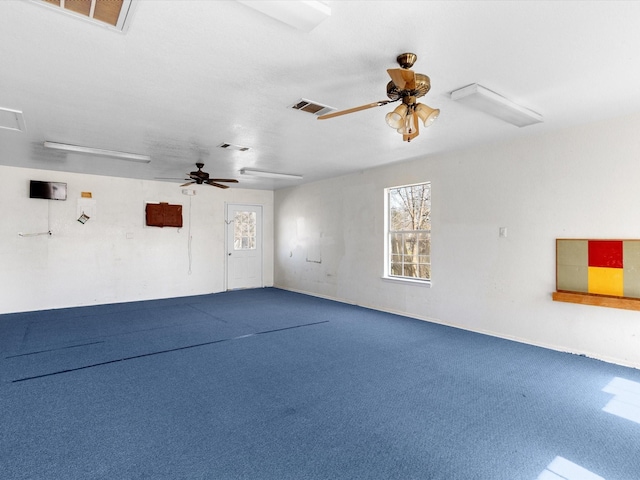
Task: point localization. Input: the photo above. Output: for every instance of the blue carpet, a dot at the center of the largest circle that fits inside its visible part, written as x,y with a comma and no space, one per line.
268,384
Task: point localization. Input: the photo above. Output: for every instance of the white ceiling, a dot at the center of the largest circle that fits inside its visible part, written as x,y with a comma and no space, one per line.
190,75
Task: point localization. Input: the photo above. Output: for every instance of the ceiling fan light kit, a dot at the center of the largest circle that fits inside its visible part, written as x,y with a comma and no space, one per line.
492,103
407,86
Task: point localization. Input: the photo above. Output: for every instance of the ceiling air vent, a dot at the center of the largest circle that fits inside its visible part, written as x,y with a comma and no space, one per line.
113,14
230,146
311,107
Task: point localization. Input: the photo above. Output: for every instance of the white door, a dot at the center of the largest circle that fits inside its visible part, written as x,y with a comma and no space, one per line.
244,246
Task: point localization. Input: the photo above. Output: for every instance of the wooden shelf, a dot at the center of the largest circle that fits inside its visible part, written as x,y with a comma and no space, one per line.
597,300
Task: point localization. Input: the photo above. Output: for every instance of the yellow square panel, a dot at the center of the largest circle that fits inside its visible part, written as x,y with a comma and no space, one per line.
606,281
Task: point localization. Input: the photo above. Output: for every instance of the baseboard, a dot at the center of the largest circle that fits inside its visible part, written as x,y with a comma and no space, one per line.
556,348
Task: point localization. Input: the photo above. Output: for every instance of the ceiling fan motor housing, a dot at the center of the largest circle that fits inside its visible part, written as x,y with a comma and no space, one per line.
423,85
199,176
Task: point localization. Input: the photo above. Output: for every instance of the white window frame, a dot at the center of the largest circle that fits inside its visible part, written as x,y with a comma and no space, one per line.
387,233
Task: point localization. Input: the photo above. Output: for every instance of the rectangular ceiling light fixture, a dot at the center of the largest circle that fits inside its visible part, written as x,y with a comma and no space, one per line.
11,119
481,98
264,174
301,14
132,157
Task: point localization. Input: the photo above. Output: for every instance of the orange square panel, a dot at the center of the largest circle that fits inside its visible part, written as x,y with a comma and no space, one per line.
606,281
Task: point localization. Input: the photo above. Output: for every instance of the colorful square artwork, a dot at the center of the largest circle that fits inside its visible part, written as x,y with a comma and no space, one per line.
600,267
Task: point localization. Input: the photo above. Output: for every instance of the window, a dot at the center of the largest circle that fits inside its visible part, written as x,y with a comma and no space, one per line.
408,243
244,231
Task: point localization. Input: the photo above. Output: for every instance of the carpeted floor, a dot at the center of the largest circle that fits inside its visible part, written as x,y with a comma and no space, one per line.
268,384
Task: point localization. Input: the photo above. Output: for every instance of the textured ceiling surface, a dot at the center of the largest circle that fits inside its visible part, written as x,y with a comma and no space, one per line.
187,76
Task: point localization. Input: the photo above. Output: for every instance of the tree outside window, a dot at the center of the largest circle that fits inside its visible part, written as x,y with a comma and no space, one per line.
244,231
409,231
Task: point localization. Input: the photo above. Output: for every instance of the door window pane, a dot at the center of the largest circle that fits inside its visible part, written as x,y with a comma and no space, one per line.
244,224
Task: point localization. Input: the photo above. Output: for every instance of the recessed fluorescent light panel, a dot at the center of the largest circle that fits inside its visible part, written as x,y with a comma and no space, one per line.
132,157
11,120
301,14
487,101
265,174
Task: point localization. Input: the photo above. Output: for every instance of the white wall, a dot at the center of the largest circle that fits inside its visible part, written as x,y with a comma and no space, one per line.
582,183
96,262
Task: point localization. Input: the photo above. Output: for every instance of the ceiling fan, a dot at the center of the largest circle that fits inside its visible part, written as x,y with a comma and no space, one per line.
199,177
405,85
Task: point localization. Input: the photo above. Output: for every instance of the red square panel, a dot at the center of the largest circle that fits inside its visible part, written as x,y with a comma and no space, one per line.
605,253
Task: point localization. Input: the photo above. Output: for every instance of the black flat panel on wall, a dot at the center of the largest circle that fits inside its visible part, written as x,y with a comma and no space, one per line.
47,190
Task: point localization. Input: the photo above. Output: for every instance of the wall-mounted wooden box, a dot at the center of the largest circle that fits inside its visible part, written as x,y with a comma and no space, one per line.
164,215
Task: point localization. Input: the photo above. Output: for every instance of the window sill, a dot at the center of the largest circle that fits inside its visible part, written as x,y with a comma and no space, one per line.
422,283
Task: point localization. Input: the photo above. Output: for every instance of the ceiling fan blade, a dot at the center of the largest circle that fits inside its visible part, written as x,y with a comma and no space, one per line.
228,180
188,183
403,78
219,185
355,109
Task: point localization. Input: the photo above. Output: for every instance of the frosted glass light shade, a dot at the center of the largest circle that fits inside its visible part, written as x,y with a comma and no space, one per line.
395,119
409,125
427,114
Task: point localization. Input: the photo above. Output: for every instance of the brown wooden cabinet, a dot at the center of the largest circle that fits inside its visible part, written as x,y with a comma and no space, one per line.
164,215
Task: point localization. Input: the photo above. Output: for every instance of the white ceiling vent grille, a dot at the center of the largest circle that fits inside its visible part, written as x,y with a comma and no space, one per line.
113,14
11,120
311,107
231,146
